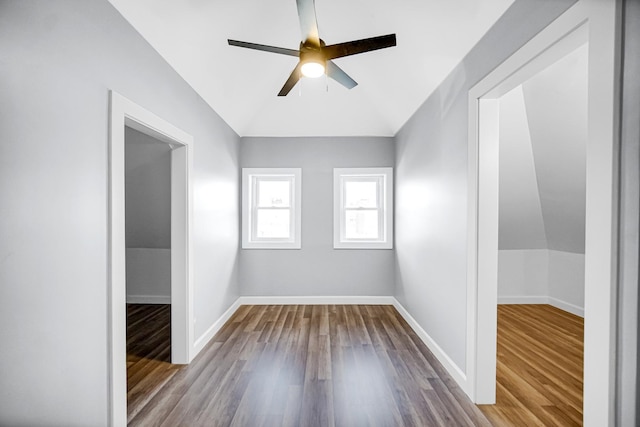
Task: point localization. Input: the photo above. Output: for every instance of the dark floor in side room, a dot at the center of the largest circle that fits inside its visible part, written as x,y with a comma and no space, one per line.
148,353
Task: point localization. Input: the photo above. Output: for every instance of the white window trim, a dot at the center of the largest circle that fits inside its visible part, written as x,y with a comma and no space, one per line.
248,208
386,225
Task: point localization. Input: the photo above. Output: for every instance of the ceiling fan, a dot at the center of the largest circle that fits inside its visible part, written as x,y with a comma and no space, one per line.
315,56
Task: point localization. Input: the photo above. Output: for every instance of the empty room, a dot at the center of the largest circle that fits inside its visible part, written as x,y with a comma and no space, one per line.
319,212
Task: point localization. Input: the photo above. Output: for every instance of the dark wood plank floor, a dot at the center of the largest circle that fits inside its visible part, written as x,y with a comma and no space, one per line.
311,366
148,353
540,367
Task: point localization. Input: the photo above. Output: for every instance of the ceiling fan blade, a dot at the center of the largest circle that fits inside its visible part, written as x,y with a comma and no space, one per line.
291,81
337,74
263,47
359,46
308,21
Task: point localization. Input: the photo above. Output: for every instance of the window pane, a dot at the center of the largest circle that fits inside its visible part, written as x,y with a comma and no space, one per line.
273,223
361,194
273,193
361,224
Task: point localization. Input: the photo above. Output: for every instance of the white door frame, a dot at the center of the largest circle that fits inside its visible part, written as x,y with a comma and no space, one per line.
588,20
124,112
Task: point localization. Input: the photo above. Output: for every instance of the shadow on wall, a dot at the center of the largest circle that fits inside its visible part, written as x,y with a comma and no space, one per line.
148,218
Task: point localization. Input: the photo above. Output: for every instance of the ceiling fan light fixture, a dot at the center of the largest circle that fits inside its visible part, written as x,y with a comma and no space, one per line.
315,57
312,69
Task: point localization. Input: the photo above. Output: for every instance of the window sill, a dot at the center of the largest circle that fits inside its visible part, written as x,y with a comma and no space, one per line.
277,246
363,245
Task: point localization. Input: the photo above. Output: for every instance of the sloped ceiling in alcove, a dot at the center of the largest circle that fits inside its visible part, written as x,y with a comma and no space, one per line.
543,126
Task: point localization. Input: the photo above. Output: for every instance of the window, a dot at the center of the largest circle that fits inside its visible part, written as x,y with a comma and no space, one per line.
363,208
271,208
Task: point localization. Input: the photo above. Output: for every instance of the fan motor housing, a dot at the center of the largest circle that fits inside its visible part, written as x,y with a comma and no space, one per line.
311,53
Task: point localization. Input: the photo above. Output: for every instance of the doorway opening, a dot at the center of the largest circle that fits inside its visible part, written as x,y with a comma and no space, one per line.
126,114
148,259
541,221
588,22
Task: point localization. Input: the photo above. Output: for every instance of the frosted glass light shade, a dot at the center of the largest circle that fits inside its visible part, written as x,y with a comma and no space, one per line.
312,69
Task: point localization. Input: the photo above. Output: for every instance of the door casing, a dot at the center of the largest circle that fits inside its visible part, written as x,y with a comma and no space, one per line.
124,112
591,21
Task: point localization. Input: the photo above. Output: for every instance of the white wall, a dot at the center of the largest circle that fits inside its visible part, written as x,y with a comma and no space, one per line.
147,218
431,184
566,281
542,276
59,60
147,191
523,276
317,269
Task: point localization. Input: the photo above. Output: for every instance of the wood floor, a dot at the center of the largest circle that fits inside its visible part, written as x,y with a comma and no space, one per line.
308,366
540,368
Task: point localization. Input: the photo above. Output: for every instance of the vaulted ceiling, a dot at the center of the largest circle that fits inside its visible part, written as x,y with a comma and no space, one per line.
543,136
241,85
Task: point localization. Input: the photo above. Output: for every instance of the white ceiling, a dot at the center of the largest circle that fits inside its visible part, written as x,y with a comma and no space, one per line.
241,84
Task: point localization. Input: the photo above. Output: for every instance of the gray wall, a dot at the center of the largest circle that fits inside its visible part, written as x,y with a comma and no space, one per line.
59,59
317,269
431,184
147,191
628,398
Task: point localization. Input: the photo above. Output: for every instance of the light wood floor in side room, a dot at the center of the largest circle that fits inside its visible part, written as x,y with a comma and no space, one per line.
310,366
540,368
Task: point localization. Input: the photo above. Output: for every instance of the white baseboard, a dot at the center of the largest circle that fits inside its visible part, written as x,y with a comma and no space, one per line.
571,308
204,339
452,368
316,300
148,299
523,300
562,305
